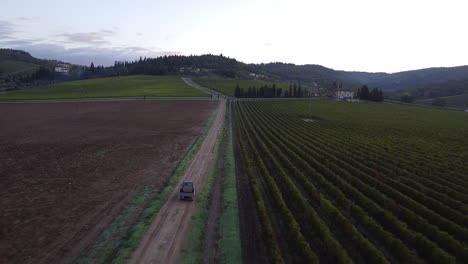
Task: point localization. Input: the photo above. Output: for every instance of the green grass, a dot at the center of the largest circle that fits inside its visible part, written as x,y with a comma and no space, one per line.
128,86
192,251
117,242
229,225
227,86
455,101
10,67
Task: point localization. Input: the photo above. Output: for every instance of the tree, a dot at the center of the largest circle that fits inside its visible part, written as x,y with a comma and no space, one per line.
92,68
278,92
364,94
237,91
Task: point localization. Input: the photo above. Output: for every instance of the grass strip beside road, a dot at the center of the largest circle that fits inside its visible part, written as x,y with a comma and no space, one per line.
116,243
229,225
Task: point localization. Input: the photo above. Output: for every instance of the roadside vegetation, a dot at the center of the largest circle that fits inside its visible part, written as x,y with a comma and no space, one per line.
229,225
128,86
362,183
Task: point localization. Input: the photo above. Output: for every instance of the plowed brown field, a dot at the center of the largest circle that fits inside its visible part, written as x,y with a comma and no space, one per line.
67,169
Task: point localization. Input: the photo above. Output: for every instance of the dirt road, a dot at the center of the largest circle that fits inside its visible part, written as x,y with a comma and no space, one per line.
207,90
164,238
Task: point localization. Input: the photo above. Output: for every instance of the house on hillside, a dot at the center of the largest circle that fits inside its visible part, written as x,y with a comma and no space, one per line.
63,68
255,76
191,70
344,95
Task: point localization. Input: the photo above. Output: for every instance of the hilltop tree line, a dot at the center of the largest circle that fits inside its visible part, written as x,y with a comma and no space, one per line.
271,91
163,65
375,94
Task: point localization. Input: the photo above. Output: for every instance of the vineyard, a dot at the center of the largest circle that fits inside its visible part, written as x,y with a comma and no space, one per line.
341,182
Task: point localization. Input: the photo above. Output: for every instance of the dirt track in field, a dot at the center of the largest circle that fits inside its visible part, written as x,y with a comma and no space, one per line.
68,169
164,238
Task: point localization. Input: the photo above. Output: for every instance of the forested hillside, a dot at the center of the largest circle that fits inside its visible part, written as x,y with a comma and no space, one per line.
425,83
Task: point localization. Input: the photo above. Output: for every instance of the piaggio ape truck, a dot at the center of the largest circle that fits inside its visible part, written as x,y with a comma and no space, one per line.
187,191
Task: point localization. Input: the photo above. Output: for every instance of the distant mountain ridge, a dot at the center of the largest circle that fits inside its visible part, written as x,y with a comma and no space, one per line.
407,79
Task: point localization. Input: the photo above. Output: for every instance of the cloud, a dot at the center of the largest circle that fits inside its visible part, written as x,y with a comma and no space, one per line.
29,19
94,38
68,49
84,55
15,42
6,29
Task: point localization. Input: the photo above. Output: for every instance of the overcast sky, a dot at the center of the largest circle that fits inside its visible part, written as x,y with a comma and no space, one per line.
361,35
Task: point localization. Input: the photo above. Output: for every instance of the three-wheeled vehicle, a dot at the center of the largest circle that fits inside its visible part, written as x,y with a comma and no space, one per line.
187,191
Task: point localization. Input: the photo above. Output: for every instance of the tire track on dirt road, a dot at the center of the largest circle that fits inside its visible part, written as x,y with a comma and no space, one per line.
164,238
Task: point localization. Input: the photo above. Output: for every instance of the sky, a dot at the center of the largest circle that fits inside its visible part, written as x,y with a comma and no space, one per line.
363,35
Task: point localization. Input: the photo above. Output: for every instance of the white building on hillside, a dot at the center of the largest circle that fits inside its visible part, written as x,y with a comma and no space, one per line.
344,95
63,68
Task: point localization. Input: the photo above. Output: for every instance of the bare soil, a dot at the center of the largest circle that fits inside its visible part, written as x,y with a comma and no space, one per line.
68,169
164,238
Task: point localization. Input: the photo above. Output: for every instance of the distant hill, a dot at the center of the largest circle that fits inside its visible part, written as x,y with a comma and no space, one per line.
325,77
456,101
17,62
407,79
310,75
18,69
447,88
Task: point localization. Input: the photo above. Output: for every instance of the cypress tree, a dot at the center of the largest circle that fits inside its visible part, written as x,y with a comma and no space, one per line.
237,91
364,92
